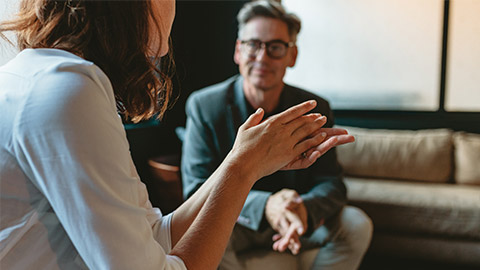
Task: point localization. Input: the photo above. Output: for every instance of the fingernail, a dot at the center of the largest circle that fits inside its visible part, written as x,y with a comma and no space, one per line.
312,102
258,110
323,134
321,118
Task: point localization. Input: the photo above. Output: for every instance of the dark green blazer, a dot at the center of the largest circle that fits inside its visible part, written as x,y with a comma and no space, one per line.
214,115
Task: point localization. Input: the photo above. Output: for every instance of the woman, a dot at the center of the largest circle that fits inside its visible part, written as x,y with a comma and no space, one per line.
70,195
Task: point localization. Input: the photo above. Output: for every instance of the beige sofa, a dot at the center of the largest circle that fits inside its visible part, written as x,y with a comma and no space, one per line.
421,189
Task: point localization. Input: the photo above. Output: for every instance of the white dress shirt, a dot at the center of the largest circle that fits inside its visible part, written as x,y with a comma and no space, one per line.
70,196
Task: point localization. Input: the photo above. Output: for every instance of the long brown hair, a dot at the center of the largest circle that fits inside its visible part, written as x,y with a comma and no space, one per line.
112,34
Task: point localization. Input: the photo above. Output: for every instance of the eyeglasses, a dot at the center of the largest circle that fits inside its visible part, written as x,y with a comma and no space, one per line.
275,48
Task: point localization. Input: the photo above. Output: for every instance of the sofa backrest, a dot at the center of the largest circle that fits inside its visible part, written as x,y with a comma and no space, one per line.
423,155
430,155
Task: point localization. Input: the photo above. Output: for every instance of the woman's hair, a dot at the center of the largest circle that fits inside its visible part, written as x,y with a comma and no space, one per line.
269,9
112,34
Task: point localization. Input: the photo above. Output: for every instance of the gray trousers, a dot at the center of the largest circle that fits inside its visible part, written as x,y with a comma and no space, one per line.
343,241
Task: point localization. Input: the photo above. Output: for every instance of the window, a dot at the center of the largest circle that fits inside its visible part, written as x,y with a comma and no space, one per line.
463,61
387,55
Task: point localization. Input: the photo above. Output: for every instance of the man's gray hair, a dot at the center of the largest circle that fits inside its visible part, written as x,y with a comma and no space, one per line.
269,9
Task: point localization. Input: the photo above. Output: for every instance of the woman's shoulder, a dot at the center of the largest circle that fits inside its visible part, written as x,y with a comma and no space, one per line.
59,88
60,75
38,64
32,61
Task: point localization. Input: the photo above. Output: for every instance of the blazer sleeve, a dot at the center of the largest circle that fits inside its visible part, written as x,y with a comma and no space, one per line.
199,159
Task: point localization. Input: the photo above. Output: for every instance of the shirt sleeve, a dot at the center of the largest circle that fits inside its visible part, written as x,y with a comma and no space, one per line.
71,143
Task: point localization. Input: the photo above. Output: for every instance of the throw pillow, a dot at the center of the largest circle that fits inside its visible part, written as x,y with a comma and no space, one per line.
467,158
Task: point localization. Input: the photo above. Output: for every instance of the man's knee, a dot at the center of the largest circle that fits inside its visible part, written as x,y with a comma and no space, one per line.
357,226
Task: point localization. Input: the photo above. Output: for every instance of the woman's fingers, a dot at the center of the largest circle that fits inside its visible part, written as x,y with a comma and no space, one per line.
334,131
327,138
318,146
329,132
253,119
302,162
294,112
334,141
308,127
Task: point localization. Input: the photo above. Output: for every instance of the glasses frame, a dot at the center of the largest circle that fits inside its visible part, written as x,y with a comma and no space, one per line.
266,45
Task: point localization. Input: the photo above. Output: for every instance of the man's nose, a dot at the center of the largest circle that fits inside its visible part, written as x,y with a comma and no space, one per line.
261,53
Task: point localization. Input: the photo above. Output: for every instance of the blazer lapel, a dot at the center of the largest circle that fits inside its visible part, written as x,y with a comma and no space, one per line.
236,108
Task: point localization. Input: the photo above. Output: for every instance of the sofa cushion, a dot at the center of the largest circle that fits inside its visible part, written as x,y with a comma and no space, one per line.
467,158
445,210
424,155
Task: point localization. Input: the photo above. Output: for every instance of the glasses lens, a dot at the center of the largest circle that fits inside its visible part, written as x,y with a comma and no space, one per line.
251,47
276,49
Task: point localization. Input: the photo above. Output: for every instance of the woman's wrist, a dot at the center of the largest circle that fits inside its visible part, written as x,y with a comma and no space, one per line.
242,168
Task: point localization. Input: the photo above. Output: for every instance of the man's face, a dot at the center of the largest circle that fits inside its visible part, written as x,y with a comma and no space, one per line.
260,70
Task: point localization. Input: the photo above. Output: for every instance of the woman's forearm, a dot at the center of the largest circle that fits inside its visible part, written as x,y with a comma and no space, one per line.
186,213
203,224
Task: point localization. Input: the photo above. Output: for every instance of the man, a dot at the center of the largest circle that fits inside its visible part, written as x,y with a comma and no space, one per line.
288,210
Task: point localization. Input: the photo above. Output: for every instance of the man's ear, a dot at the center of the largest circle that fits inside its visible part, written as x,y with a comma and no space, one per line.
237,54
293,56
